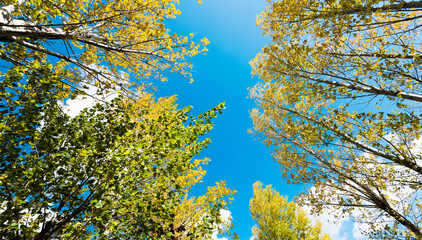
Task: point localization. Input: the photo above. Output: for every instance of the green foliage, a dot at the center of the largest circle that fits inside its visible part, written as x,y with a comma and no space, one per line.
277,218
339,104
121,169
117,170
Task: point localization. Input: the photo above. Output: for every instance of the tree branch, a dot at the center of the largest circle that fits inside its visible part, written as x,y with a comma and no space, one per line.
401,161
369,89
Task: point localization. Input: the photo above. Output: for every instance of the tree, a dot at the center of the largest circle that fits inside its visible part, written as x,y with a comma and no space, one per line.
340,105
95,42
277,218
119,170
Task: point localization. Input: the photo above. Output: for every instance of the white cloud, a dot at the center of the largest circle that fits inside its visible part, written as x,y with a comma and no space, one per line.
335,228
226,216
74,106
357,230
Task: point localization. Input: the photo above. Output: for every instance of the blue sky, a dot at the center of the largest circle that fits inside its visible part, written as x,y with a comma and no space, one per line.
224,75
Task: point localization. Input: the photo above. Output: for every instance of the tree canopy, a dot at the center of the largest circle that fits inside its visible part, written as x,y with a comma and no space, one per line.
340,106
121,169
118,170
279,219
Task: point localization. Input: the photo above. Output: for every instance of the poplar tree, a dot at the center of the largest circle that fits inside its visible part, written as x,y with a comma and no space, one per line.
339,103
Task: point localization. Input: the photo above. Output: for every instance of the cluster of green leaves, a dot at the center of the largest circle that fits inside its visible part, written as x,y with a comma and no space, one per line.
117,170
339,104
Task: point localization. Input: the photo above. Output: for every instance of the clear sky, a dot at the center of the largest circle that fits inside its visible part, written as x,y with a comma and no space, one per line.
224,75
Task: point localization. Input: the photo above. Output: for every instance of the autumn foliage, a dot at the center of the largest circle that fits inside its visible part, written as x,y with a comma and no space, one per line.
279,219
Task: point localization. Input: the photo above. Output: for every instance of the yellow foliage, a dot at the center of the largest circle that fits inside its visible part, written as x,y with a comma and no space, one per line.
339,104
279,219
103,39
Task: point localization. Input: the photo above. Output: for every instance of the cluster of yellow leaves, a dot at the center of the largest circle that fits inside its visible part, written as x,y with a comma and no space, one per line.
278,219
195,212
121,36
